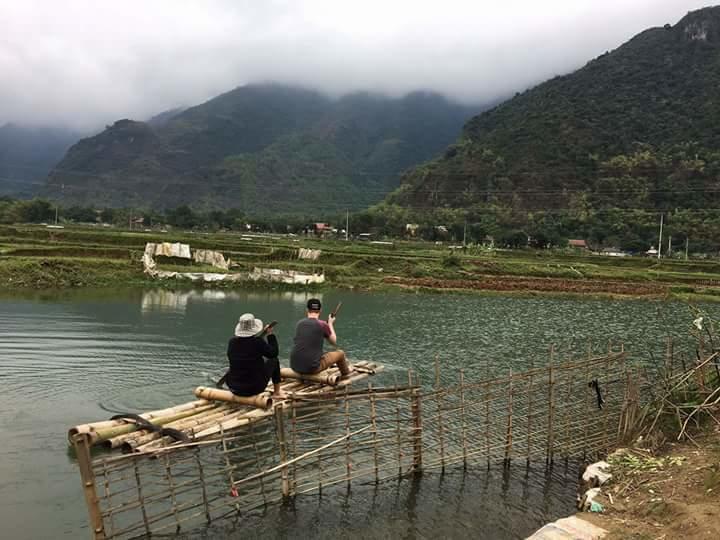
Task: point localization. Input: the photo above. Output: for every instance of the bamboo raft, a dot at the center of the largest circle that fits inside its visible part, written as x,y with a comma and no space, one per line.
215,412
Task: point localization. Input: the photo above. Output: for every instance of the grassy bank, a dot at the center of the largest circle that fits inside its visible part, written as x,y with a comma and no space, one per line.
34,257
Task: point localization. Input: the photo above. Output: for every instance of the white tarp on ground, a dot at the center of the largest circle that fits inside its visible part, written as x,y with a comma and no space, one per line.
269,274
285,276
310,254
203,277
208,256
168,249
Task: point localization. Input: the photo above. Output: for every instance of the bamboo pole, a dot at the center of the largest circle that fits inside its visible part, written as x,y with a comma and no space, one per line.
82,444
230,469
348,464
441,427
131,441
487,425
107,429
373,422
108,497
261,401
531,395
398,433
508,434
171,488
280,434
203,487
141,500
551,407
463,437
586,391
293,443
253,435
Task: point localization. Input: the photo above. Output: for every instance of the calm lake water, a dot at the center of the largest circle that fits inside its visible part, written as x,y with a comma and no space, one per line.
82,356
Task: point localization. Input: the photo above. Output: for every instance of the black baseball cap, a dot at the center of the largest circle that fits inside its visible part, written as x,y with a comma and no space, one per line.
314,304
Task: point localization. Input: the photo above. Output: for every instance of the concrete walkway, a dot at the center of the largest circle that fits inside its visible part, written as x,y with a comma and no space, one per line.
569,528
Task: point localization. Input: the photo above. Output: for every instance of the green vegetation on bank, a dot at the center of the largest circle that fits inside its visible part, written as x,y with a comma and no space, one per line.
34,257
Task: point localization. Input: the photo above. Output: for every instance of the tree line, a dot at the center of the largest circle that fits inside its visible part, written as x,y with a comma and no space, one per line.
630,230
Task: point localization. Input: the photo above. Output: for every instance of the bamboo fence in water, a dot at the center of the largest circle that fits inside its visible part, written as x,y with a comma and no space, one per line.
317,442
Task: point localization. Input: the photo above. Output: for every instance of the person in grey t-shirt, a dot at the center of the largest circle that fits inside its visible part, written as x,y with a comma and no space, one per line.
307,354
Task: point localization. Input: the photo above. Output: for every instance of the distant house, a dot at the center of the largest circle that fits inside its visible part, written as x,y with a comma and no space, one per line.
577,244
614,252
322,229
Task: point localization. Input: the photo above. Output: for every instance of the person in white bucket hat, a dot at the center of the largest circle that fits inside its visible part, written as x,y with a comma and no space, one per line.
253,359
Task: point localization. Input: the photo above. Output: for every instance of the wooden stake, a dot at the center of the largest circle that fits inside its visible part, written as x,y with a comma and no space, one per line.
81,441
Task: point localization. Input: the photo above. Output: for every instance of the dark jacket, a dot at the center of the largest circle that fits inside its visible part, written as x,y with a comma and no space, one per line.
247,367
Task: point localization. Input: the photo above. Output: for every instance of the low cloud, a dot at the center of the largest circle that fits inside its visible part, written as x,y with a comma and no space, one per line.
87,63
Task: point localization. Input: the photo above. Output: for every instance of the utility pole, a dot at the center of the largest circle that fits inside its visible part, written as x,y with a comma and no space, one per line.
687,241
660,238
669,251
347,224
465,234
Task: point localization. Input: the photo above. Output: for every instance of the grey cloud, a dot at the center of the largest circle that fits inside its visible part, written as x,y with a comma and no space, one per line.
86,63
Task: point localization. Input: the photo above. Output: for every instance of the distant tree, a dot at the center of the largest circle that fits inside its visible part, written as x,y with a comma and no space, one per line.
182,217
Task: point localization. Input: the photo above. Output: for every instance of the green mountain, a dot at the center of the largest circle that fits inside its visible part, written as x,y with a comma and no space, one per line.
636,128
261,148
27,154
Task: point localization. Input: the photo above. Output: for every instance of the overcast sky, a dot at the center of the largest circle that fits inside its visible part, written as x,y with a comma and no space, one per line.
87,63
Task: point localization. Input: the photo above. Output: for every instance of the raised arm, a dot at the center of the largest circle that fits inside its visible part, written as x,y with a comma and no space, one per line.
331,336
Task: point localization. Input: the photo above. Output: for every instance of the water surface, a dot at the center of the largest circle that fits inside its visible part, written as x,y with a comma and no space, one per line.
82,356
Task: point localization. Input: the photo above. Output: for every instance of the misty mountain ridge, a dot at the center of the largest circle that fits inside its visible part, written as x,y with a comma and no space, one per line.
262,148
27,154
634,128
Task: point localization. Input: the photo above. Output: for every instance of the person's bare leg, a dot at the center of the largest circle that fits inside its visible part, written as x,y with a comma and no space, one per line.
277,393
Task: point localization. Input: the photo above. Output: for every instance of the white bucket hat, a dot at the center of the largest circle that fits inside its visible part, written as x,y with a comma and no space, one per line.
248,325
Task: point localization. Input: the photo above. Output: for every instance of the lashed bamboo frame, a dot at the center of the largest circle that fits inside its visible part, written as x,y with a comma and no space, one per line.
317,440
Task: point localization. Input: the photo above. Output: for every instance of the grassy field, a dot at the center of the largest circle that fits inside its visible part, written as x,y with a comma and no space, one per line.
34,257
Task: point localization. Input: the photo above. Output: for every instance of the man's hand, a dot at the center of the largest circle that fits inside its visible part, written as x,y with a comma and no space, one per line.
268,330
331,319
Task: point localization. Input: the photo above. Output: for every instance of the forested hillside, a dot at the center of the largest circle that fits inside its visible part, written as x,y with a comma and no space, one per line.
260,148
632,133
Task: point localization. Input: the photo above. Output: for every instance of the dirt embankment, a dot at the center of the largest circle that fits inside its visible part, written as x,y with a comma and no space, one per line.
512,283
675,494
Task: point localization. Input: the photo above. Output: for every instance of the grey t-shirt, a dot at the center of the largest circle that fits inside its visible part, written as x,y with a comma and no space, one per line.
308,345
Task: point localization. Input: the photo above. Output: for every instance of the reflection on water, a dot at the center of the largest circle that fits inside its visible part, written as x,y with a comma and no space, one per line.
177,301
493,504
72,358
